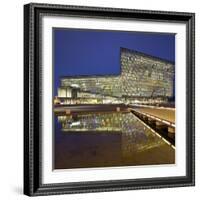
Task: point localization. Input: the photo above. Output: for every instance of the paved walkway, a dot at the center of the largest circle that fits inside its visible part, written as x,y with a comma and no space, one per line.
161,113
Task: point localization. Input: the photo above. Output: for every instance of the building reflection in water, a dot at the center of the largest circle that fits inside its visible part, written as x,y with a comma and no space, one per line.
107,139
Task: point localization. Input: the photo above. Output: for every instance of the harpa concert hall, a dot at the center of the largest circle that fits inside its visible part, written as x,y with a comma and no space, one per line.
143,79
111,117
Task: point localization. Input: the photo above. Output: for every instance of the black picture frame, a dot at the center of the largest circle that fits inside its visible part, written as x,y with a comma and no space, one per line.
32,96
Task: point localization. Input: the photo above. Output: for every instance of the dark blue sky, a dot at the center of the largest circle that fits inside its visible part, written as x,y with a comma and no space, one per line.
94,52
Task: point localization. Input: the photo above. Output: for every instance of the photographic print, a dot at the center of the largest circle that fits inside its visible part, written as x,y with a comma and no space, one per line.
108,99
114,98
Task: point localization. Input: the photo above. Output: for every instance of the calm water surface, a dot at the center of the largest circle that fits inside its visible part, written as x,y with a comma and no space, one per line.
107,139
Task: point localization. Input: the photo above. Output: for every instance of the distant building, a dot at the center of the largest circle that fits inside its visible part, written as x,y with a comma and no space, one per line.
142,77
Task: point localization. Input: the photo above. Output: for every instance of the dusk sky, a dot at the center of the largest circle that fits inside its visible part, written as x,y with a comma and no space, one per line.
94,52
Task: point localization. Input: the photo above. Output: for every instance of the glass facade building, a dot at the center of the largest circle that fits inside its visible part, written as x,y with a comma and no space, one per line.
142,76
112,135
